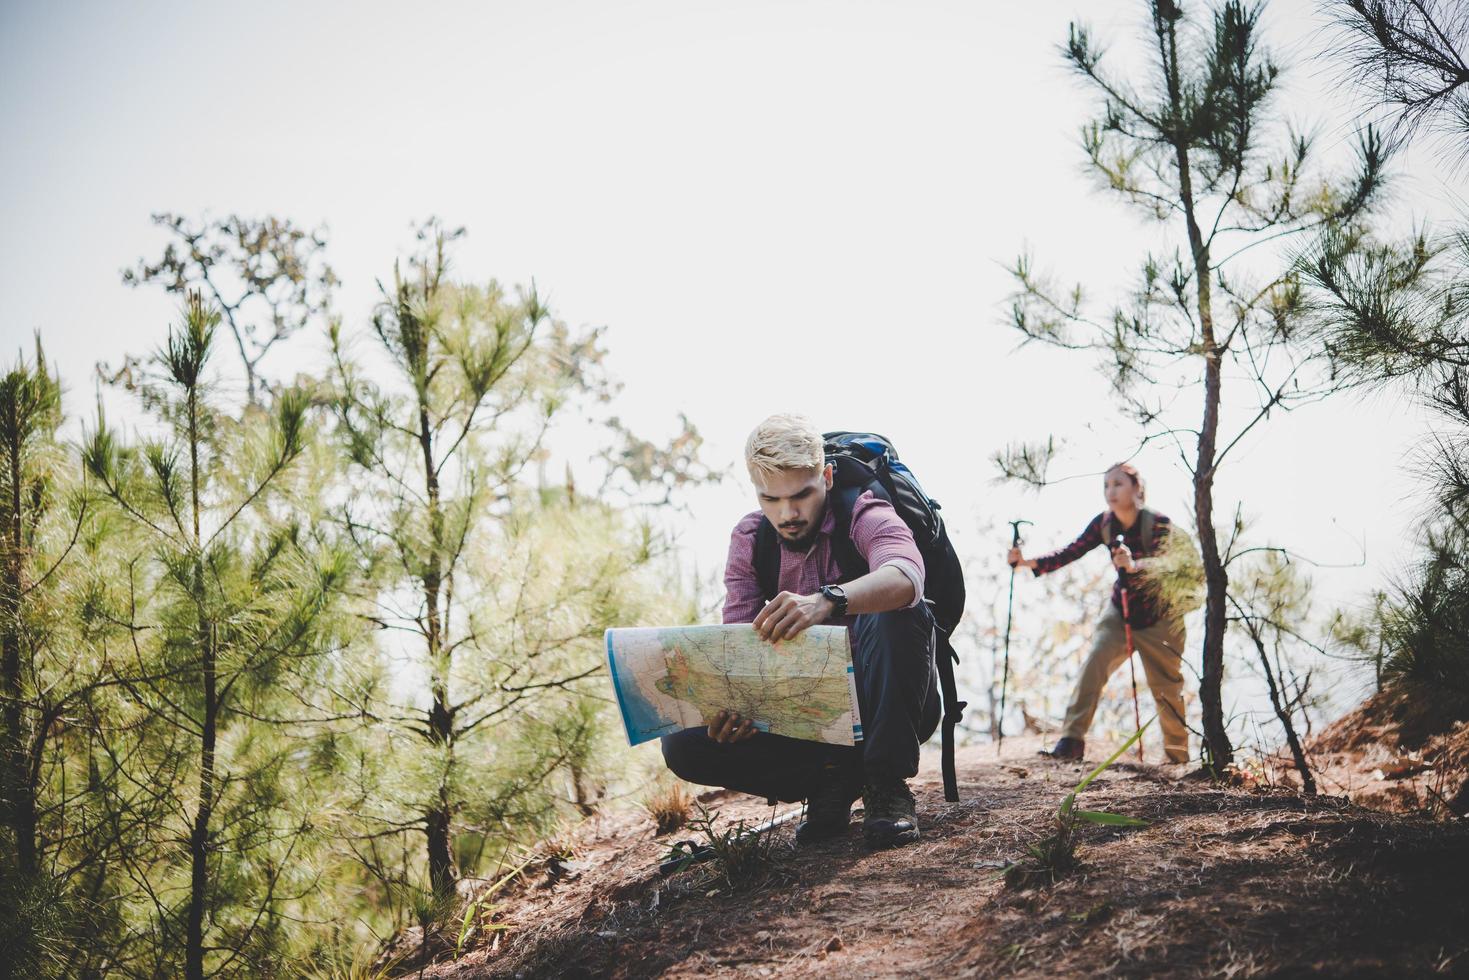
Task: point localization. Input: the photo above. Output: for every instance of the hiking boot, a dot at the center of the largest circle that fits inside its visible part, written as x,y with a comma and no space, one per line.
829,807
890,819
1068,748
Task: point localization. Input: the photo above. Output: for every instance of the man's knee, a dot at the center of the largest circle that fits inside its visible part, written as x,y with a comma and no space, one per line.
686,754
896,629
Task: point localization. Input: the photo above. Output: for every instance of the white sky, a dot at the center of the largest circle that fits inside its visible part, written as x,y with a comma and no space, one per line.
771,205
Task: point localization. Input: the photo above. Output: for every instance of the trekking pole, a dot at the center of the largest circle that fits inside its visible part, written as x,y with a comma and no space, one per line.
1009,617
1137,717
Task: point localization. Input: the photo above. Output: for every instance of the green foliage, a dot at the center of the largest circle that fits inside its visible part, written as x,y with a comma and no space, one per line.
30,411
479,913
1413,55
1218,308
47,673
741,856
1054,855
232,611
1175,573
1425,623
358,964
1397,312
498,592
36,937
227,770
1026,463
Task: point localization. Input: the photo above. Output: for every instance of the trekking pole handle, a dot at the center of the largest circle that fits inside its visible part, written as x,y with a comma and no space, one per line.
1015,532
1117,543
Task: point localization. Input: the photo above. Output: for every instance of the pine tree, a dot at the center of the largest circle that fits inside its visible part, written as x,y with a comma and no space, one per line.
1186,146
32,695
234,605
30,411
496,594
1397,312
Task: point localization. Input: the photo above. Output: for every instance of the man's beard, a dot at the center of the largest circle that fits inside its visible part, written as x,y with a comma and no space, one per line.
802,543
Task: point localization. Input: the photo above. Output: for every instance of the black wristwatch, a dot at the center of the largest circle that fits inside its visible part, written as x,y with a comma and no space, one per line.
837,598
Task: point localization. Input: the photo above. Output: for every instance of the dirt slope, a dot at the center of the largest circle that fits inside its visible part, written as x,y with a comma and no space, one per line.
1223,882
1398,750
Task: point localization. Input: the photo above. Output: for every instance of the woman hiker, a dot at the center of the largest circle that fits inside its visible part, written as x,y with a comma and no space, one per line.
1157,629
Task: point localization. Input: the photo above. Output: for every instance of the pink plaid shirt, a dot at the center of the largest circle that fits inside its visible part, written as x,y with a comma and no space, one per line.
878,532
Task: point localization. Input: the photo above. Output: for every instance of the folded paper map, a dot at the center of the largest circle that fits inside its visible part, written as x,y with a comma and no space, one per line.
671,678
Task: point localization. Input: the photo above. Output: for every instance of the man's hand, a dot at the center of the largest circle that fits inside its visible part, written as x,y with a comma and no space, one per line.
788,615
728,726
1122,558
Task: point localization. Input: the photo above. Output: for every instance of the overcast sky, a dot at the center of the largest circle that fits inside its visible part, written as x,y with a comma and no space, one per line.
770,205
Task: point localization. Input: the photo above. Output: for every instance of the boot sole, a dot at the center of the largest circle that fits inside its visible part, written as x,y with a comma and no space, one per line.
817,836
881,839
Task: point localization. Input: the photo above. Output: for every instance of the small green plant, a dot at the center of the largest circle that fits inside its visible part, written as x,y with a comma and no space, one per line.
1050,858
558,848
1014,952
739,856
1096,912
479,914
671,806
360,965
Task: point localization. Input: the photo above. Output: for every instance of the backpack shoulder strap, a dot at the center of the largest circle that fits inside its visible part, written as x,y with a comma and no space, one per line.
851,481
767,560
1149,522
843,500
1107,528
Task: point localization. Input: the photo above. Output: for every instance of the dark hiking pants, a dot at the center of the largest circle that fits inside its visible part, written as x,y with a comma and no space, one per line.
897,693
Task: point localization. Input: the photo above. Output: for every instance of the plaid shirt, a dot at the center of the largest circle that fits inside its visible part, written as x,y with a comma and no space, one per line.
878,533
1143,603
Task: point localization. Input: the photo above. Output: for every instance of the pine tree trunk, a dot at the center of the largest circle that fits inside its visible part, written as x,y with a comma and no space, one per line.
1211,680
1211,702
199,832
581,793
437,821
19,795
1218,751
441,872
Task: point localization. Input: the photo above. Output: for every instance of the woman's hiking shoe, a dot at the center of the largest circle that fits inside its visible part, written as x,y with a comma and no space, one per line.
1068,748
829,807
891,818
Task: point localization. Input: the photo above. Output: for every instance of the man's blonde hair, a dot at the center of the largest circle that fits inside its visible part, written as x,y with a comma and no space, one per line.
783,442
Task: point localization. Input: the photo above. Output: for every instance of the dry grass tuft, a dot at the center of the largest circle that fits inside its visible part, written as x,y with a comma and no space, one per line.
671,807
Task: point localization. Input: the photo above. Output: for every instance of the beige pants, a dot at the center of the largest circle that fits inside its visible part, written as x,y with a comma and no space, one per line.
1161,649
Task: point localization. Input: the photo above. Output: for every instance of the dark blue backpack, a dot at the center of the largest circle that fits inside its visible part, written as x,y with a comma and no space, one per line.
863,461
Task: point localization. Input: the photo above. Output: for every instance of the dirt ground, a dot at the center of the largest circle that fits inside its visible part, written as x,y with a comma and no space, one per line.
1241,882
1396,751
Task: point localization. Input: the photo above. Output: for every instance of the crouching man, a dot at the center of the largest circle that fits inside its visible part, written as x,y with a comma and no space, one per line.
892,633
